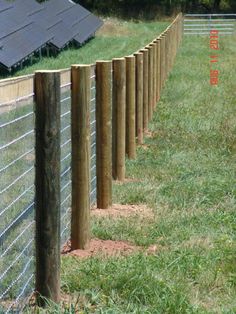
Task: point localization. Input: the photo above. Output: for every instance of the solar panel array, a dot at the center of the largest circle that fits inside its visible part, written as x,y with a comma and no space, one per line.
26,26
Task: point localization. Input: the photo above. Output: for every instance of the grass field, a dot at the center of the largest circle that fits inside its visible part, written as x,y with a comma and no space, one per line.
186,173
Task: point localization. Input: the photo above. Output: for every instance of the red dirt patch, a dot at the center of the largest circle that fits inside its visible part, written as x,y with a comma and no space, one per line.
149,134
104,248
145,146
109,248
118,210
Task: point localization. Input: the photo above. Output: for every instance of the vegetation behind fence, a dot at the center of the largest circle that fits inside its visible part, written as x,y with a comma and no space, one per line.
83,124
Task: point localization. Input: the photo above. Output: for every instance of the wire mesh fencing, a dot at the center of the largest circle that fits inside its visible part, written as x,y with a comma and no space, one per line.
17,223
203,24
17,159
93,186
65,162
17,191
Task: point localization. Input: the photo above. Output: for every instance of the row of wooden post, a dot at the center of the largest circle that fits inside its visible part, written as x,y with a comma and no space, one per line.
127,92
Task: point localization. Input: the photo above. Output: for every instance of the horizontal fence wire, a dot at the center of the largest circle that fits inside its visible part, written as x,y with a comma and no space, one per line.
93,184
65,163
17,208
202,24
23,99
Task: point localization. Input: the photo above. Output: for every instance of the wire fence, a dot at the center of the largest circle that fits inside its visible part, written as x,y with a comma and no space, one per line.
65,162
17,223
17,159
202,24
93,187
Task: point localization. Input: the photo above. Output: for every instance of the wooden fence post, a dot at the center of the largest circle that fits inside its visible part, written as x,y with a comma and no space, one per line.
154,74
162,60
104,133
172,46
139,96
80,163
158,69
165,58
47,185
145,88
130,107
118,119
167,52
150,82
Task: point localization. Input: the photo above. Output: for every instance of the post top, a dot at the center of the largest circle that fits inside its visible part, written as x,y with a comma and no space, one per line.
118,59
81,65
103,61
131,57
48,71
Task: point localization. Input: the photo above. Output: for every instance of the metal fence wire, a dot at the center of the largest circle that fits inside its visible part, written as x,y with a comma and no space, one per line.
93,186
202,24
17,192
17,225
65,162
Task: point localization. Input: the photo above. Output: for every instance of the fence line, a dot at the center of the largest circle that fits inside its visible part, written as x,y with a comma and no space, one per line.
87,120
17,225
202,24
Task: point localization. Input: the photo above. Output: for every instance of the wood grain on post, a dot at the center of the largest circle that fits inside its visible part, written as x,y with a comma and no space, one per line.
181,26
154,45
158,69
175,41
162,60
104,133
167,53
47,185
118,119
174,35
145,88
150,82
80,136
165,57
139,96
172,46
130,107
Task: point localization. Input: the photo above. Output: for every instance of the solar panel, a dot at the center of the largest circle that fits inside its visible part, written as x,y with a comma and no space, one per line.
26,7
54,25
58,6
73,15
5,6
22,43
61,35
44,18
86,28
10,21
26,26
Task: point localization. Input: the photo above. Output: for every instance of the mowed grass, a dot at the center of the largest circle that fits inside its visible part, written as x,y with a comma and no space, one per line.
116,38
186,174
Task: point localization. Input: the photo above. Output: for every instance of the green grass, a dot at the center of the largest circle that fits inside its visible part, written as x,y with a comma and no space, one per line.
187,175
116,39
